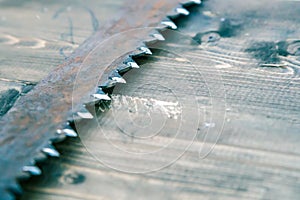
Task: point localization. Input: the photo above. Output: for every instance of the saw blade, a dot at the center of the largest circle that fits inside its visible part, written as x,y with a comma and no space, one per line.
46,114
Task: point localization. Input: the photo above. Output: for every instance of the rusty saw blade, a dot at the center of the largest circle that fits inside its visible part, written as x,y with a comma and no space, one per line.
46,114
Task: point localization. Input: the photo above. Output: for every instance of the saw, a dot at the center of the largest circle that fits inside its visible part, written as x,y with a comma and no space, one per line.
47,114
259,74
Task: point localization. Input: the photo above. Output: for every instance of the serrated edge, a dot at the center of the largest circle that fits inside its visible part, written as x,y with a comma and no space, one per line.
66,130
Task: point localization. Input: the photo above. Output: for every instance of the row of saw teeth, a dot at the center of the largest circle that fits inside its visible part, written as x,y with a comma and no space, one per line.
115,77
180,10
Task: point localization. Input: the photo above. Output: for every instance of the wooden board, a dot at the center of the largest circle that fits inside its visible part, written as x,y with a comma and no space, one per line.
216,120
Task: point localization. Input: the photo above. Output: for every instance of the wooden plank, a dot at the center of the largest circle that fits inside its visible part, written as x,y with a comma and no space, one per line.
246,163
220,91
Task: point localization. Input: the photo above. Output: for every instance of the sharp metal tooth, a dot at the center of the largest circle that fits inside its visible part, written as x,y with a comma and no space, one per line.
159,36
182,11
51,151
59,137
133,65
85,114
59,131
145,50
169,24
33,170
129,62
118,79
196,1
70,132
108,84
123,68
101,96
191,2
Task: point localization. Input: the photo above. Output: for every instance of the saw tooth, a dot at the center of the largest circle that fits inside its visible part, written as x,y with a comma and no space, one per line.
169,23
133,65
100,95
33,170
123,68
196,1
116,77
158,36
145,50
59,136
127,65
108,84
182,11
85,114
69,132
51,151
189,2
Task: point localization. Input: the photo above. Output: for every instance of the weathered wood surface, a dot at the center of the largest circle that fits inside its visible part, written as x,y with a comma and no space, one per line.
225,85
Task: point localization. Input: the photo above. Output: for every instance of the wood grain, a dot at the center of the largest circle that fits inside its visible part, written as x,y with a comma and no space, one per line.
240,119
